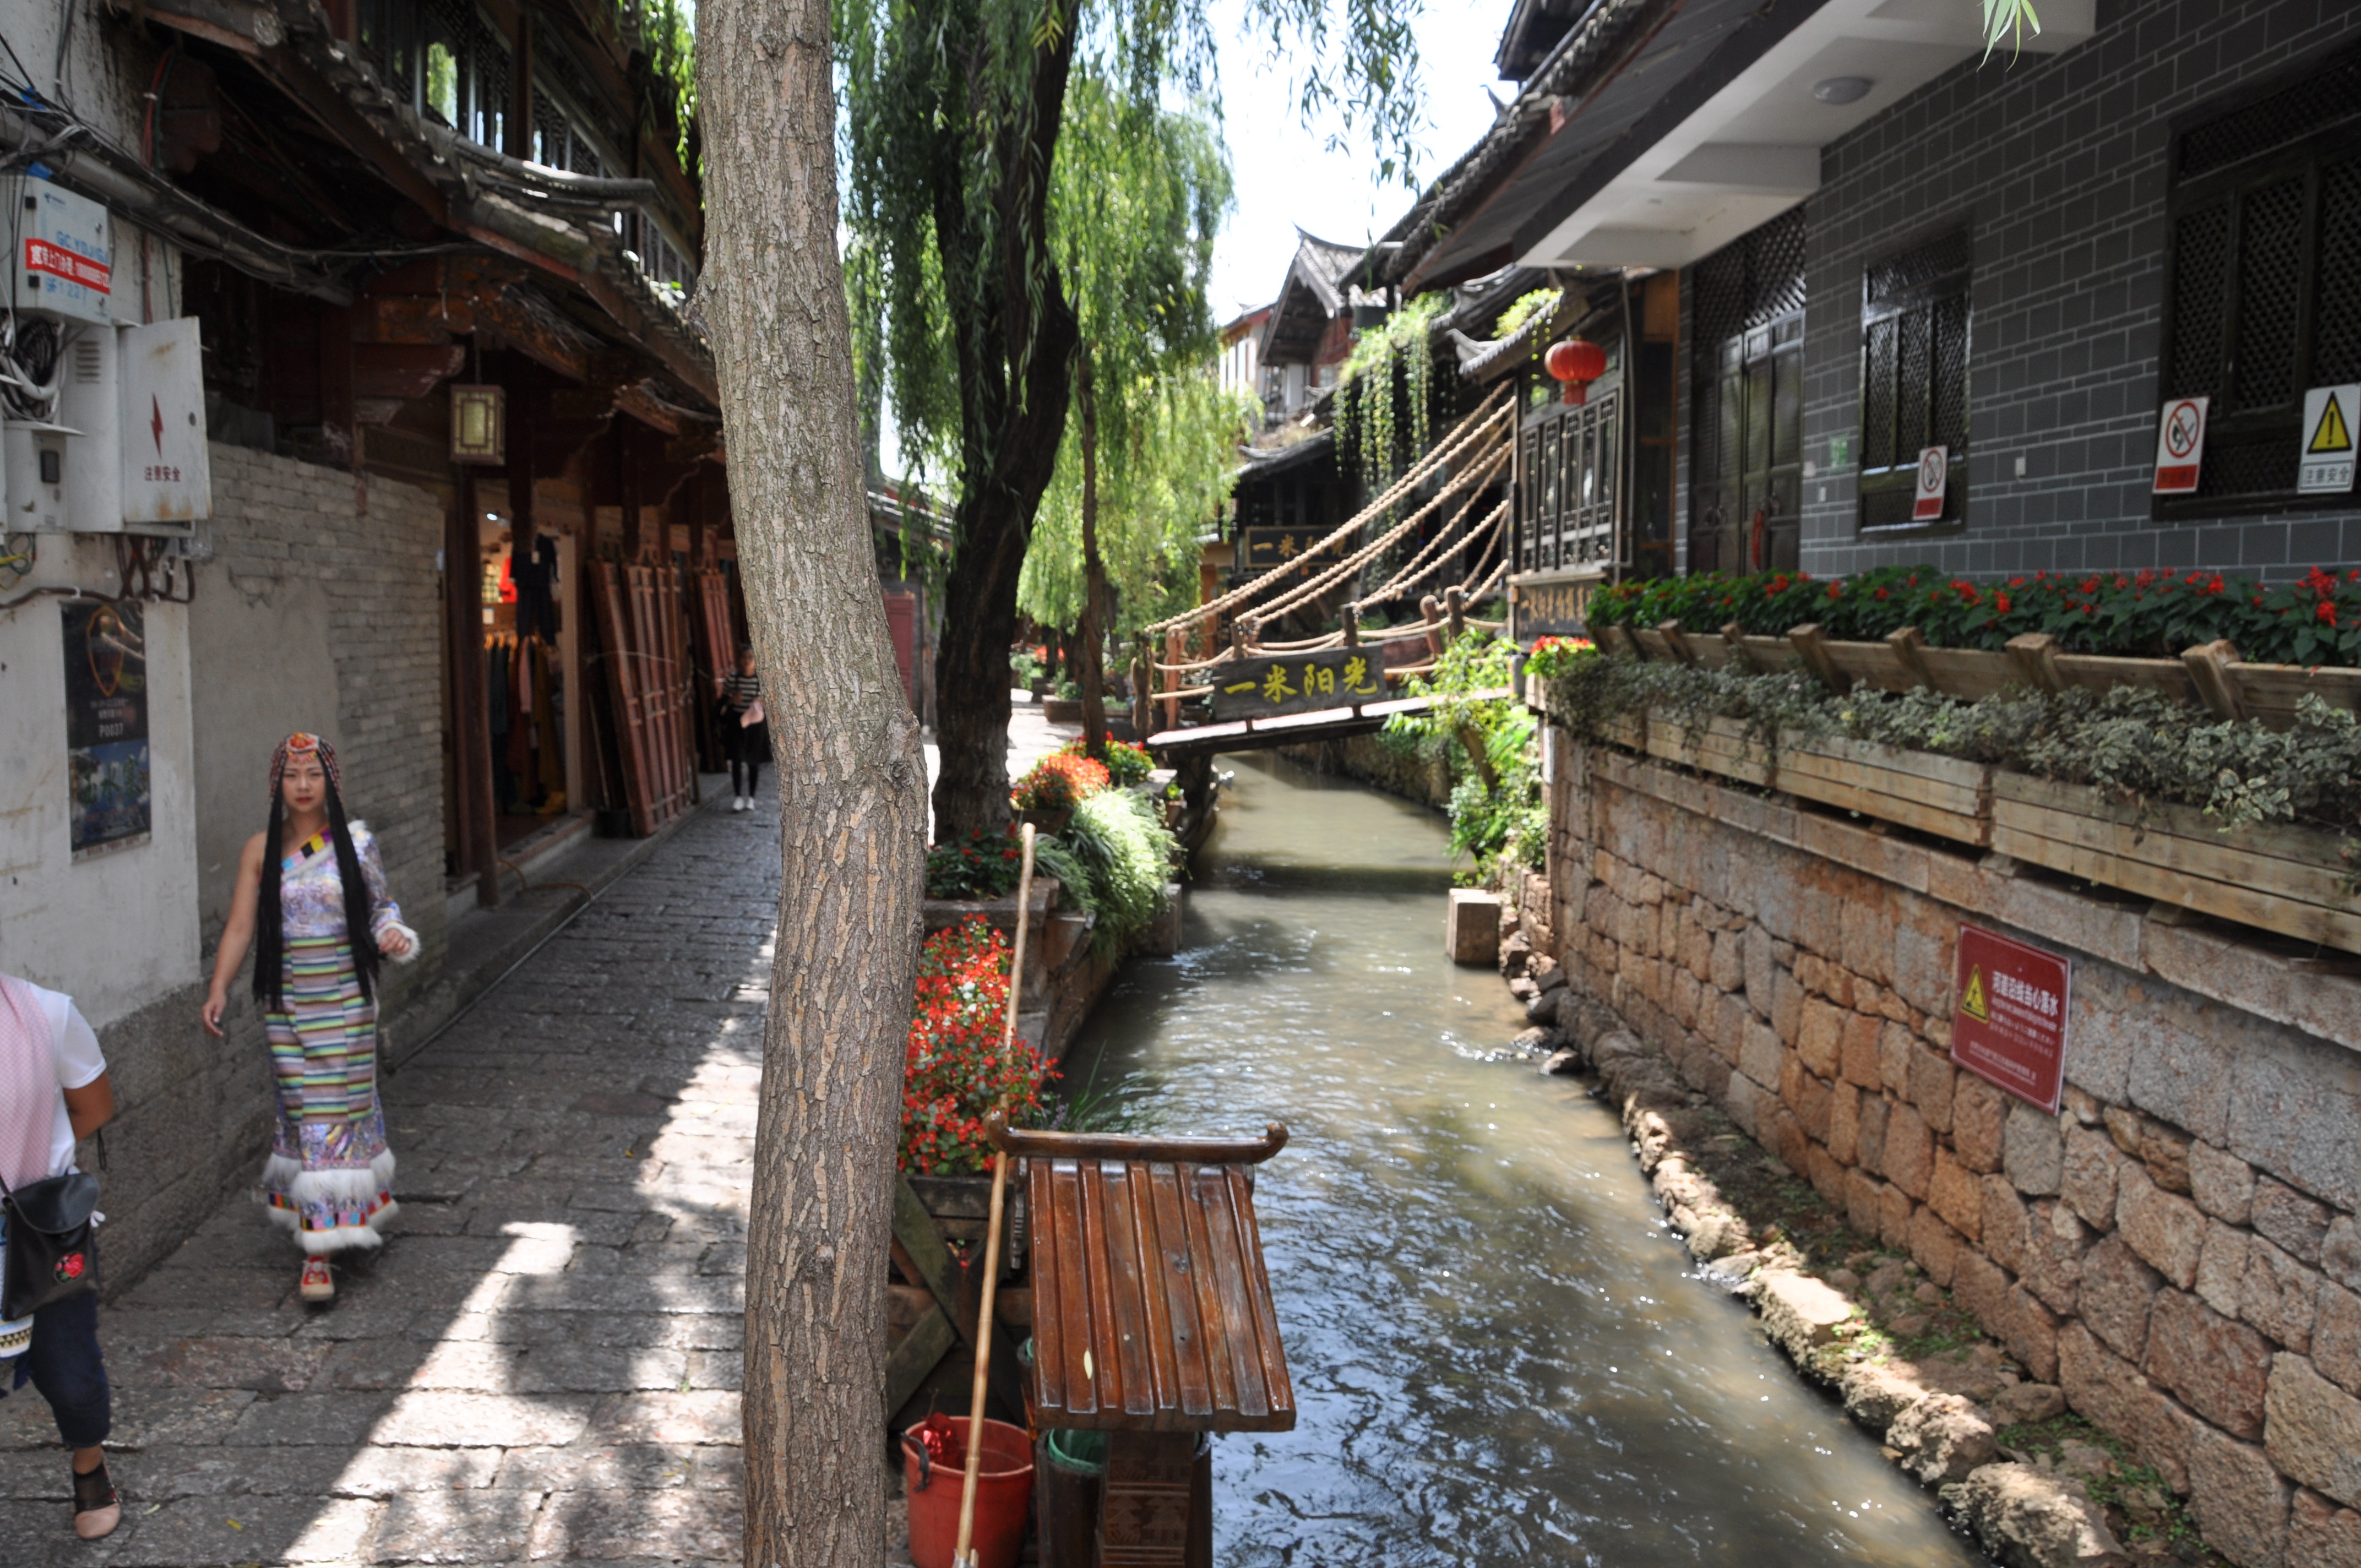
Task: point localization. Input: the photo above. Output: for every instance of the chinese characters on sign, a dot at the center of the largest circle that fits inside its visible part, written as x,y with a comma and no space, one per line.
106,725
2008,1023
1302,683
1268,547
1549,609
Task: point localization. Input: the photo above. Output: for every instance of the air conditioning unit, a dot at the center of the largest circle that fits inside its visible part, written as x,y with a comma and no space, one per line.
90,403
167,484
60,256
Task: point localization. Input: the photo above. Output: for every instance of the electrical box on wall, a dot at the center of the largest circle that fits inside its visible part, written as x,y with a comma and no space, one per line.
61,258
167,475
90,403
35,464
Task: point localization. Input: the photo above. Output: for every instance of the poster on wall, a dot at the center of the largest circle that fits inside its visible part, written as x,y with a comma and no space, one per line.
106,726
2009,1023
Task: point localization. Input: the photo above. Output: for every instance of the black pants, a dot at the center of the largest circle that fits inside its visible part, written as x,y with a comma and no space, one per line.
63,1362
748,746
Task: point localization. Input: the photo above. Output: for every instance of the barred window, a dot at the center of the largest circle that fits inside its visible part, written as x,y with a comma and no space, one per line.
1914,379
1746,475
2264,297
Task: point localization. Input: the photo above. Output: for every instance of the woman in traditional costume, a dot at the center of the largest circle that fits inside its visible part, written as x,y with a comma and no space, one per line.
306,884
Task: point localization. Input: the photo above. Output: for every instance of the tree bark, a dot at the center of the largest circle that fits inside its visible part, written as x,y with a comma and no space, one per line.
1093,632
1015,355
851,792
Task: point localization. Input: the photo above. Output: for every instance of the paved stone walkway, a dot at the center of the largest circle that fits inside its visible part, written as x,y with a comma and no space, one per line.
543,1363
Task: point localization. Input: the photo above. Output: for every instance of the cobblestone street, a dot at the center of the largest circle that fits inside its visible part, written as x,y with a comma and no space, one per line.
543,1365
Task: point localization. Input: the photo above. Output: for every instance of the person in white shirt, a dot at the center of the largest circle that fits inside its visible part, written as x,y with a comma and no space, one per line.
54,1091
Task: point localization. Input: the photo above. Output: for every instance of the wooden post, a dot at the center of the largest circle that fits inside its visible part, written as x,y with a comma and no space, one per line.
2033,657
1455,605
518,139
1429,614
1677,641
1173,654
1734,636
1909,646
1812,648
2209,666
1352,626
627,490
471,737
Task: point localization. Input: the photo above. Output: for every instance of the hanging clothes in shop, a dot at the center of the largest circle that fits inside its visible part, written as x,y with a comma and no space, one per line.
545,731
498,680
535,575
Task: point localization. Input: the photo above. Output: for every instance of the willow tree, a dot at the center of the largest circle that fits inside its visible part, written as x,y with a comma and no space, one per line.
954,114
1138,197
852,814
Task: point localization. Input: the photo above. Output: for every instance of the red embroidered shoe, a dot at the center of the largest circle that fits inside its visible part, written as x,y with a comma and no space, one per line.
318,1285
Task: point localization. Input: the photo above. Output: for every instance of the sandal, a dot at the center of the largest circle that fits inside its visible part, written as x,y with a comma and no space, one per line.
318,1285
98,1508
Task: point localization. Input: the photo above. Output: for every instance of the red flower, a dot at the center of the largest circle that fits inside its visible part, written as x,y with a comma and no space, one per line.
2328,611
1999,602
1835,592
1881,593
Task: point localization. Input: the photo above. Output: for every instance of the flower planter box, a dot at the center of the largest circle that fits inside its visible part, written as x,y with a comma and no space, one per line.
2293,880
960,1207
1936,795
1062,710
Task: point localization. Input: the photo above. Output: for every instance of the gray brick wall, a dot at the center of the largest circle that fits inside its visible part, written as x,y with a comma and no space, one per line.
310,614
2058,166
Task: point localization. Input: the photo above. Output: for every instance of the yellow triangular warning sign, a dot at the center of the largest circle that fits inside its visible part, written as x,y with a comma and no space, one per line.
1972,1004
2331,434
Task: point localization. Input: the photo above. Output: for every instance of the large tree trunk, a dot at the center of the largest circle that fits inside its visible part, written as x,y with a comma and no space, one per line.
1016,351
1094,635
851,792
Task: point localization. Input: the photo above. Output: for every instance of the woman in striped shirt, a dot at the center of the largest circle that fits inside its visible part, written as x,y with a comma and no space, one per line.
745,737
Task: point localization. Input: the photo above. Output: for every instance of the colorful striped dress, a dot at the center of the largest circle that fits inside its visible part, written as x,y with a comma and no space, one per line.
330,1179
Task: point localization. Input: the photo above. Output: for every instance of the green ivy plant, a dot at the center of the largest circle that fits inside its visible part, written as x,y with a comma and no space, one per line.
2132,744
1539,302
1498,817
1389,372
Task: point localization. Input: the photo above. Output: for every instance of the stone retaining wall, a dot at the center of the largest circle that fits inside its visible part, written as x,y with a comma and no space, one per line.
2177,1249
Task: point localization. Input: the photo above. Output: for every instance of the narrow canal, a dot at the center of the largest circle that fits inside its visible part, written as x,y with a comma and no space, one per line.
1501,1354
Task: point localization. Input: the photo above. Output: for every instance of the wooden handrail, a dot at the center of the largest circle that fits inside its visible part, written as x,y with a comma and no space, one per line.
1111,1145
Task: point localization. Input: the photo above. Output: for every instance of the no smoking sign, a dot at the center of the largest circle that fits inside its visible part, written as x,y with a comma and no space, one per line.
2181,446
1934,479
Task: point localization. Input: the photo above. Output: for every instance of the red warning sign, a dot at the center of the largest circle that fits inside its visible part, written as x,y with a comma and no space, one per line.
2008,1021
2181,446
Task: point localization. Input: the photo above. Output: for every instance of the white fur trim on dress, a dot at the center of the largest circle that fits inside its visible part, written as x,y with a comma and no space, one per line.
284,1175
409,954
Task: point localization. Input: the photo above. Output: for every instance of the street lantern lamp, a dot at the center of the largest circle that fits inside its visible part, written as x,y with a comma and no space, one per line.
1577,362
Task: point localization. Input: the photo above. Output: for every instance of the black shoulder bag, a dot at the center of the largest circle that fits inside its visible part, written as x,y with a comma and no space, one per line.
52,1242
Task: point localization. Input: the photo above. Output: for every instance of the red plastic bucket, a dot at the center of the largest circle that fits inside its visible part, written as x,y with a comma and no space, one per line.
1004,1488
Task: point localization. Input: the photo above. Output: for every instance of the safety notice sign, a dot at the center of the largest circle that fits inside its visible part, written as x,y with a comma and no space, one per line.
2324,465
1933,475
2181,446
2008,1021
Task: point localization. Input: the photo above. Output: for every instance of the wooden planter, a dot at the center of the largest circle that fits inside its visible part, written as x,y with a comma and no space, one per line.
1062,710
1917,789
2290,879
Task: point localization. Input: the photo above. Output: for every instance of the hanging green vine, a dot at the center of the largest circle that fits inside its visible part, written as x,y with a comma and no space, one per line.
1539,302
1389,372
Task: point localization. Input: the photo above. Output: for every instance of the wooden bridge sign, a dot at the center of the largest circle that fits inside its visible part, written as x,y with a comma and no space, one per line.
1298,683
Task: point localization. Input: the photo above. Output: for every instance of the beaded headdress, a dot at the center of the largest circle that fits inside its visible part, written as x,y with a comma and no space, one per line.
303,744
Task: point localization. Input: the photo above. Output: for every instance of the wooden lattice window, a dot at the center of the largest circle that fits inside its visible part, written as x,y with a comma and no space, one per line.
1914,379
2264,297
1746,475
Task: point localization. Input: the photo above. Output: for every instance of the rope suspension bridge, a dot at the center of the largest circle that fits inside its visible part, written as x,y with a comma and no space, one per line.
1221,686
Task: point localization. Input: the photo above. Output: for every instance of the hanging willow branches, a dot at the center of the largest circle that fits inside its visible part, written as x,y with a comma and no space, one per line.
1385,396
953,112
1137,201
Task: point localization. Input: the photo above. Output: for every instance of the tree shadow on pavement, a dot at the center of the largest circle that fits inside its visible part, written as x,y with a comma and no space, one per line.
543,1363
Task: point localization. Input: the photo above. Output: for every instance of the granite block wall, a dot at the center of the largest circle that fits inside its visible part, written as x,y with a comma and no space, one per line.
2177,1249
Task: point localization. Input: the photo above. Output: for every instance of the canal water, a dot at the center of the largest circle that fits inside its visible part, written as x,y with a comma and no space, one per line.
1501,1354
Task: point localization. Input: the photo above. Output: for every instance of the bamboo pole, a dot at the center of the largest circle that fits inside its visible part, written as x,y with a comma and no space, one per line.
964,1556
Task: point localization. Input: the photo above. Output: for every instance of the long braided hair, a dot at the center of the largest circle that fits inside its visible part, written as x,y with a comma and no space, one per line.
270,928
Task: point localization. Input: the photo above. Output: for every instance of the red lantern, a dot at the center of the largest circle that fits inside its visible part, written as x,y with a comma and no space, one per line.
1577,362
